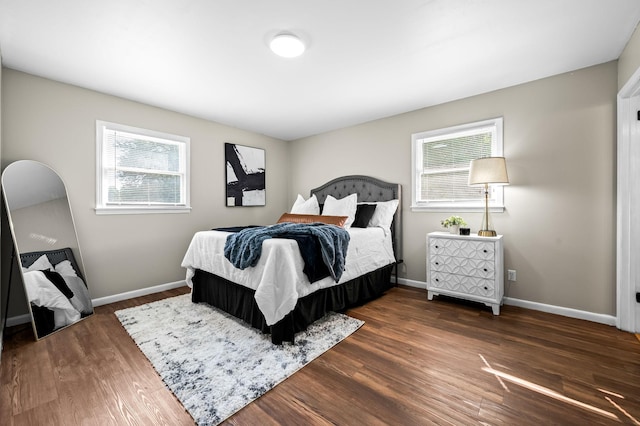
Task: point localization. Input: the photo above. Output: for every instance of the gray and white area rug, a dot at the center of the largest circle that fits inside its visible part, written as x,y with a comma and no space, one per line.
216,364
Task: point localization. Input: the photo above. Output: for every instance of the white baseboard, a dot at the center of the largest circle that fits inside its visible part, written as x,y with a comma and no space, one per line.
17,320
137,293
552,309
412,283
23,319
561,310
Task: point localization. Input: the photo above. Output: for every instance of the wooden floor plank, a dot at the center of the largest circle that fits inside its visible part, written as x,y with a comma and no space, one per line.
413,362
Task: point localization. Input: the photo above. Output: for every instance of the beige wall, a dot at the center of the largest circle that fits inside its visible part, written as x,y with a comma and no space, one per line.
54,123
559,141
3,285
629,60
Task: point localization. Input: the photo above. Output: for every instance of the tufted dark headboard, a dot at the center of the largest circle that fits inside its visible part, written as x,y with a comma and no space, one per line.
369,189
54,256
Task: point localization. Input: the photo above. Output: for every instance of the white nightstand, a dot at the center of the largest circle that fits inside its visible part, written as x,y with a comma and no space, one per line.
466,266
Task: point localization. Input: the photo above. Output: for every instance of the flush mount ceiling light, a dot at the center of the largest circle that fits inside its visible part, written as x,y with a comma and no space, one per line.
287,46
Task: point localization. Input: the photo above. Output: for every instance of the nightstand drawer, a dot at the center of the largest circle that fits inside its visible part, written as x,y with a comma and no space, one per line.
463,266
462,284
462,248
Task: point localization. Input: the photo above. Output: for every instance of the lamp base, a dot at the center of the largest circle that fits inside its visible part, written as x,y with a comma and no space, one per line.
487,233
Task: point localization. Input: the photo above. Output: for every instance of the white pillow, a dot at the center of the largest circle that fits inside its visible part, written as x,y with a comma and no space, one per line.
309,206
383,216
65,269
81,300
343,207
41,264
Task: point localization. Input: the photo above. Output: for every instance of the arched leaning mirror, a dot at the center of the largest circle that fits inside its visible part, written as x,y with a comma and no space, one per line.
46,246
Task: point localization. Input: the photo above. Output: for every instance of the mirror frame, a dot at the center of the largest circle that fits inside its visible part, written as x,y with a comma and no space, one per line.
62,252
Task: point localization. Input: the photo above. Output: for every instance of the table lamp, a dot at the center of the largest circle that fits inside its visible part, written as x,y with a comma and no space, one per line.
482,172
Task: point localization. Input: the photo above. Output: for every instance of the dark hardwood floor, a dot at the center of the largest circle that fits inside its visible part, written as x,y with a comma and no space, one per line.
413,362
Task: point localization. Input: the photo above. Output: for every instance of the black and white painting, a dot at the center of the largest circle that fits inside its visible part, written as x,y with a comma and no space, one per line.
245,175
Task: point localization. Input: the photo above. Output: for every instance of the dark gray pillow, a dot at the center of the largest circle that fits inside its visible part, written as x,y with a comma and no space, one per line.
364,213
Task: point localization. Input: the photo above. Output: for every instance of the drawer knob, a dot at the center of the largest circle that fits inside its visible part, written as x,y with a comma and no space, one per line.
485,250
486,288
437,263
437,247
485,269
437,279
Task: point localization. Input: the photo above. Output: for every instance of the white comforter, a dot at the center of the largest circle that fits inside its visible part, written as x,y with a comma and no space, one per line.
42,292
277,278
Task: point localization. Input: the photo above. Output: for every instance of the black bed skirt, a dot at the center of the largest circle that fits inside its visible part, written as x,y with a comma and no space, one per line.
239,301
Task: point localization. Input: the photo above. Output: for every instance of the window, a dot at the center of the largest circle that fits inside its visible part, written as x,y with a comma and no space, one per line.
141,171
441,160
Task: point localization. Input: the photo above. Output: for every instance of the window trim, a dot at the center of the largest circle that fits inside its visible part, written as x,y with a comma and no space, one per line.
101,208
496,204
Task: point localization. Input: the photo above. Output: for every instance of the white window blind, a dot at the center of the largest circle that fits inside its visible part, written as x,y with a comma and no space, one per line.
141,170
441,161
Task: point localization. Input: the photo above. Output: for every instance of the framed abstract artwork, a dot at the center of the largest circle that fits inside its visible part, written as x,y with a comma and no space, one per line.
245,174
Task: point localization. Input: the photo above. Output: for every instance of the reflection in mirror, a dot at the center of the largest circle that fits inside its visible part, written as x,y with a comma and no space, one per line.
46,244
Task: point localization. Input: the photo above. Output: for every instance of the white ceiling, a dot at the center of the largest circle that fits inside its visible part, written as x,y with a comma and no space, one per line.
365,59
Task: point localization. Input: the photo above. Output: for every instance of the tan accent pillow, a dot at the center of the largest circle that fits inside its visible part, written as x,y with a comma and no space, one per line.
312,218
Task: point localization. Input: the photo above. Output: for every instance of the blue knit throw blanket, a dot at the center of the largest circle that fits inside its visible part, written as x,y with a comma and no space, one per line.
243,248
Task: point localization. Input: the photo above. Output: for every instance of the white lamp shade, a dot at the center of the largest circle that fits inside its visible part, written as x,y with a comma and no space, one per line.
287,46
492,170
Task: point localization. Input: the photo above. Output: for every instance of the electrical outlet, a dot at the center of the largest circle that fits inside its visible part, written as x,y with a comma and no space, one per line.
511,274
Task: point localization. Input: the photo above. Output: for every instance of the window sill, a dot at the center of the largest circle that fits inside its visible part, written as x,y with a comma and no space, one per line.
492,209
141,210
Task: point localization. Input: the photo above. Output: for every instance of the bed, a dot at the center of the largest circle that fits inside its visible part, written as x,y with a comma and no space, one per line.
274,296
54,303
